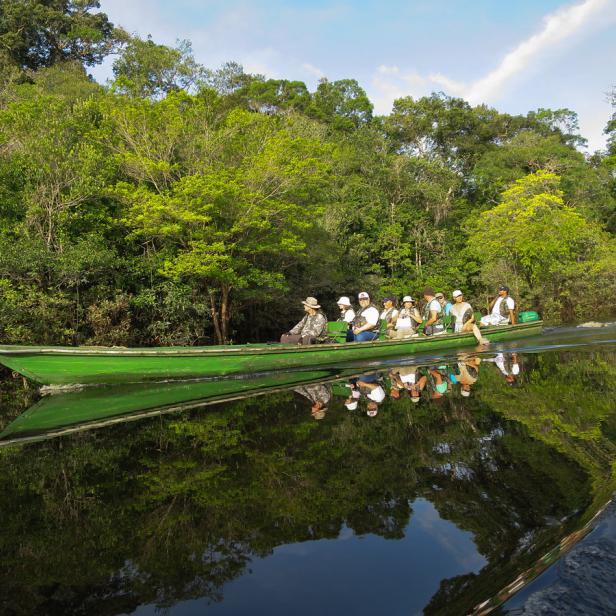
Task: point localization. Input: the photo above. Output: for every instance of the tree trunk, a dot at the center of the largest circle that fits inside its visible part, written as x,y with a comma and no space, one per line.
224,313
215,317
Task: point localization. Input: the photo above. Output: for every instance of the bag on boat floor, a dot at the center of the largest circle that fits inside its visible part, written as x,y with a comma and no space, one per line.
528,316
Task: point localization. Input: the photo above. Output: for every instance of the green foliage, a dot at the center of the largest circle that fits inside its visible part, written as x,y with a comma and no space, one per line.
147,70
228,197
542,246
36,33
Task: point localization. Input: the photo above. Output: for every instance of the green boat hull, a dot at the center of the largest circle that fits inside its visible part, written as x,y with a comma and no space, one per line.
95,407
94,365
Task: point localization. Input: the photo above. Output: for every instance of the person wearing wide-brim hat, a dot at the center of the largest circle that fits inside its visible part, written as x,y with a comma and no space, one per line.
312,328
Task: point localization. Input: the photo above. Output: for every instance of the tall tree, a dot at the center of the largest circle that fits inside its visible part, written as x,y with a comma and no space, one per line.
39,33
148,70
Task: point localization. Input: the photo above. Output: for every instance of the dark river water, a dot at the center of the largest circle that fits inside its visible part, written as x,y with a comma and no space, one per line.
467,482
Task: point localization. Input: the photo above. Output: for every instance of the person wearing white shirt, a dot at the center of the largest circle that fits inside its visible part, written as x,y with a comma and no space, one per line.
366,323
408,320
347,314
432,314
502,309
464,318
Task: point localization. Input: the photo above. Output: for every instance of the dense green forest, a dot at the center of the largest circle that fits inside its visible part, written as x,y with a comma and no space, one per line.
185,204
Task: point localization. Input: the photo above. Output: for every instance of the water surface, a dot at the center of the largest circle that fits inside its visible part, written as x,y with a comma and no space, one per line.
269,502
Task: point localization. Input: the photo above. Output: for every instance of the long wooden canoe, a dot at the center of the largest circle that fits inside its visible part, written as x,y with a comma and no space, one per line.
107,365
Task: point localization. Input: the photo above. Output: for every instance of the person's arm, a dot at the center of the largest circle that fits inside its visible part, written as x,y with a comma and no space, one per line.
416,316
371,386
391,324
512,318
297,329
321,325
433,318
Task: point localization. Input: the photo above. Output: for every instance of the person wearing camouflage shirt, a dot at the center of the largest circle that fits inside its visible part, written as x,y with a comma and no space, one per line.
311,329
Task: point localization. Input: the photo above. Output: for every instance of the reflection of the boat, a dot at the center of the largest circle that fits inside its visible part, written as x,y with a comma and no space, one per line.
83,409
87,408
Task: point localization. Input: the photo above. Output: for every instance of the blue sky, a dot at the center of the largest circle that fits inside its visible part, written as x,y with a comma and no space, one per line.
516,56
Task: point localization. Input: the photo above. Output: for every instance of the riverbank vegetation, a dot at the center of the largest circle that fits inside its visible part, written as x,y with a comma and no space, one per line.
180,204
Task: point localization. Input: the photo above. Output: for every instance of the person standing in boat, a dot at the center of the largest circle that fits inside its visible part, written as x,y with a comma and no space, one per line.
366,323
408,320
311,329
389,314
464,317
432,314
502,309
347,315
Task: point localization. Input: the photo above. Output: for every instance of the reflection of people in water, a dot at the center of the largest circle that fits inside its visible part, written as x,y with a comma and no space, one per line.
437,382
366,386
319,394
508,365
408,378
354,394
468,372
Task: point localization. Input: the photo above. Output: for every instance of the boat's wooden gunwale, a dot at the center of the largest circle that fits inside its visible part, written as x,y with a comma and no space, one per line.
272,349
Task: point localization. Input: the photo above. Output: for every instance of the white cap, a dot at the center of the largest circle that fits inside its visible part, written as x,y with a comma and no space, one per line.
351,405
407,298
465,392
344,300
363,295
372,413
456,293
377,394
515,369
415,399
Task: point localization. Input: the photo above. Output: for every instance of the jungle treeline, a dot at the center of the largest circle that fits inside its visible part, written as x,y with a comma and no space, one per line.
180,204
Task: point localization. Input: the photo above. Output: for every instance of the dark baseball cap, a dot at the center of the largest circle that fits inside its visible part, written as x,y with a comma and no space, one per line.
503,287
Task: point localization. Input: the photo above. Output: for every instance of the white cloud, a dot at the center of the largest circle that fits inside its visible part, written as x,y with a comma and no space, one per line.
313,70
559,27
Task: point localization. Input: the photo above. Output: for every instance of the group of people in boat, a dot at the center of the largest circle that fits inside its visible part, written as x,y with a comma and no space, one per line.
364,322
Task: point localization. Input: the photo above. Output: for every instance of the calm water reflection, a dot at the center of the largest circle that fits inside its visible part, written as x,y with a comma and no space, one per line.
401,488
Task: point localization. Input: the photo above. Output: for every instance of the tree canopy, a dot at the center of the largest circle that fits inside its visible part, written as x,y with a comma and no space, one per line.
202,204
